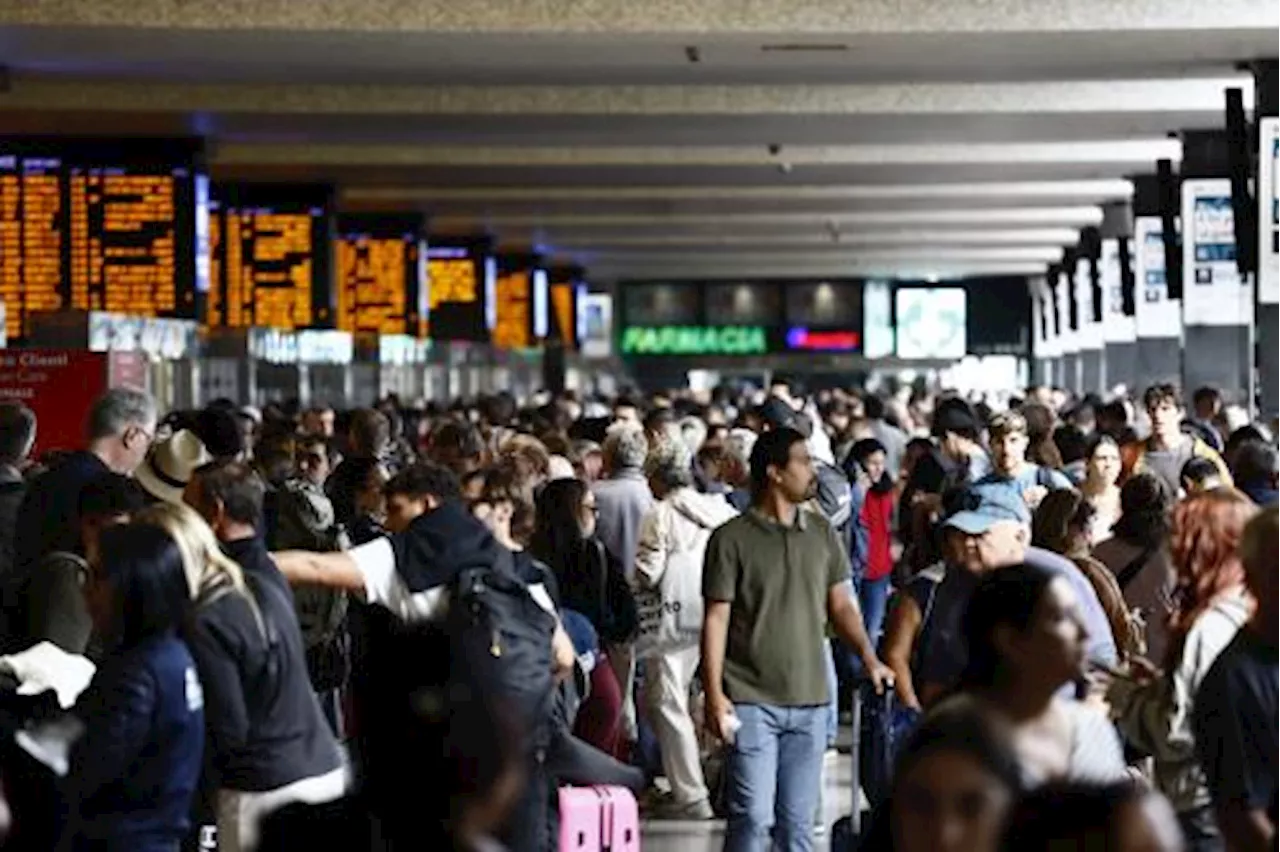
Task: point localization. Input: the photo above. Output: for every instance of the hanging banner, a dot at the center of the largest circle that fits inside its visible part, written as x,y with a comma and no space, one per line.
1089,331
1212,293
1116,327
1155,314
1067,337
1269,212
1052,342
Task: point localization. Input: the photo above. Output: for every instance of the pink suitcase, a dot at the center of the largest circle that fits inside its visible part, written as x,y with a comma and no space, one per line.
599,819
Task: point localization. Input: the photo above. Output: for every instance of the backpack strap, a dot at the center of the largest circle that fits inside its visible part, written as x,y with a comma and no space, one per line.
926,613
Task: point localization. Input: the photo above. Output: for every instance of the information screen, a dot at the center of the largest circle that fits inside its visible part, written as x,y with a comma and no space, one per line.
100,225
273,256
379,278
564,312
456,304
513,309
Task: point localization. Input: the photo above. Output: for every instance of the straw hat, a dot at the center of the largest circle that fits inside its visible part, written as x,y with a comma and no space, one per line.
170,464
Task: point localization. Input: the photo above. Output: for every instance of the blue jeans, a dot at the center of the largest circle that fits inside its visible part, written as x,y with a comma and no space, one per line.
775,770
833,698
873,598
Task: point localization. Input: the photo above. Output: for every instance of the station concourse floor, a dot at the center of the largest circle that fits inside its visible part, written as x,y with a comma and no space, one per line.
675,836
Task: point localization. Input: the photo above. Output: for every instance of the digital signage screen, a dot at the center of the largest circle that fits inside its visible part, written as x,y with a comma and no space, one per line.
379,276
458,293
271,258
101,225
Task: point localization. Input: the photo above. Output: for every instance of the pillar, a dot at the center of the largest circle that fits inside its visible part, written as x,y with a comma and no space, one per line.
1217,304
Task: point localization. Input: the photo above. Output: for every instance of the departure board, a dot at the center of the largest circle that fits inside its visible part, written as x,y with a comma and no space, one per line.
100,225
564,312
459,286
273,256
380,280
513,309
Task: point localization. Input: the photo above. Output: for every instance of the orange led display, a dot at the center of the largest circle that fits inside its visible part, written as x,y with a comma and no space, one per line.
452,280
562,304
513,311
373,283
268,266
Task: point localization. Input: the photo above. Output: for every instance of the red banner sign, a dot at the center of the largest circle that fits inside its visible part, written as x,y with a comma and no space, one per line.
59,385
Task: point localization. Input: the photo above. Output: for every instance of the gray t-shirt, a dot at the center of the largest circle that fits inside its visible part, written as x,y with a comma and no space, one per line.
1168,464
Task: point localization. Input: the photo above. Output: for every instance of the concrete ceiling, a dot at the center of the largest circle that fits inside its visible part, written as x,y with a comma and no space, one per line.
669,138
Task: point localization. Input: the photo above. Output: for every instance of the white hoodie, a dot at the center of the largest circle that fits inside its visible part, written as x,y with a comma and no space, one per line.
679,525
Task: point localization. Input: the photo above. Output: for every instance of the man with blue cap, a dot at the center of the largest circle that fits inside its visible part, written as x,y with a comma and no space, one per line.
986,527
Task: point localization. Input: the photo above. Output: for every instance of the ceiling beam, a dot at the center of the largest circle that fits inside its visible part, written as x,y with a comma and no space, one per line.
1102,190
821,20
1117,97
1075,216
834,240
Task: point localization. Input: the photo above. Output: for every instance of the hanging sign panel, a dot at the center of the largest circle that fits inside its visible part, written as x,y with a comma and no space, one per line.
1155,314
1269,212
1089,330
1116,326
1212,292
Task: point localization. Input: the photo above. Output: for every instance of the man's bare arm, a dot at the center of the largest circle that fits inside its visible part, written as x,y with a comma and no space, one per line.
332,570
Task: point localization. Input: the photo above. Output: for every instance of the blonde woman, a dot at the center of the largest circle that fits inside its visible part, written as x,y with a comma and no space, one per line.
268,743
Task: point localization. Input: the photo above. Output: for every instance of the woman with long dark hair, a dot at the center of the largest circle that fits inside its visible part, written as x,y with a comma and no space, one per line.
1138,555
591,583
589,580
1026,640
1154,709
133,774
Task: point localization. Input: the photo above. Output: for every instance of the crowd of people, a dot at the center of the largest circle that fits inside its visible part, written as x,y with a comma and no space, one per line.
393,627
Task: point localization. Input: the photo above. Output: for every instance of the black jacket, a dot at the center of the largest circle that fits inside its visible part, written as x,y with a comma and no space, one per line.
591,582
49,516
393,661
133,773
266,729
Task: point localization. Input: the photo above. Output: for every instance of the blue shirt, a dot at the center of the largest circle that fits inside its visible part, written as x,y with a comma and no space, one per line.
1030,477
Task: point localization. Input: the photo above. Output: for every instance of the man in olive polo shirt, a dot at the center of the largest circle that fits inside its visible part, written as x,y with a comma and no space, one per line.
773,578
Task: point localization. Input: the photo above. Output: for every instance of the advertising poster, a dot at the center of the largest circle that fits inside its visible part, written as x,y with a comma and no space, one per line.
1212,293
59,385
877,319
931,323
1269,212
1155,314
597,324
1116,327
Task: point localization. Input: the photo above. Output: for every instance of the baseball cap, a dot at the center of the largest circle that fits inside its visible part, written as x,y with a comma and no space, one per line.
778,414
983,505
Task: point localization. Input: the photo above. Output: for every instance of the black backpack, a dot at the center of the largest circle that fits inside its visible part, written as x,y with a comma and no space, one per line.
500,647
